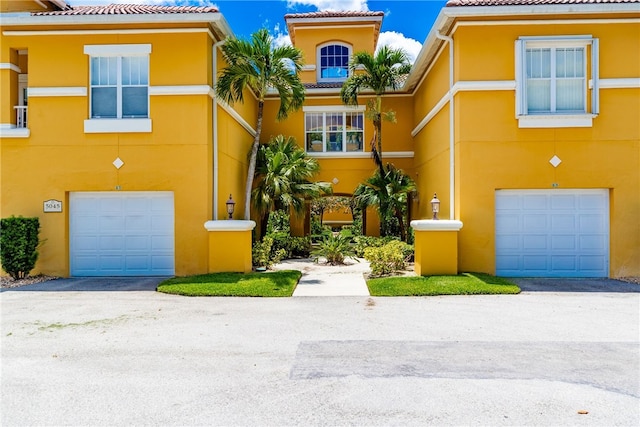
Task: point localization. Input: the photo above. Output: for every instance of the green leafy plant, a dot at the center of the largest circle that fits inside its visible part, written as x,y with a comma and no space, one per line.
262,254
364,242
290,246
18,245
299,246
335,248
388,258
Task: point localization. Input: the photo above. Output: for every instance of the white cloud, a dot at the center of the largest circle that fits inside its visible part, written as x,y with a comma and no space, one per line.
399,41
353,5
280,38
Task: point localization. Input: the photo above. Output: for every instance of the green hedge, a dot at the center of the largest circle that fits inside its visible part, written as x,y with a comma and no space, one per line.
18,245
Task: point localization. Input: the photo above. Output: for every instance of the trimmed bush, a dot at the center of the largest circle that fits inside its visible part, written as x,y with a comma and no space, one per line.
364,242
292,246
262,254
300,246
389,258
18,245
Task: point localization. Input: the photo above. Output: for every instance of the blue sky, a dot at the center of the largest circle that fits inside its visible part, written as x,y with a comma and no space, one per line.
406,22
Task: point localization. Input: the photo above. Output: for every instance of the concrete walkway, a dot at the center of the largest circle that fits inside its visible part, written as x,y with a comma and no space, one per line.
322,280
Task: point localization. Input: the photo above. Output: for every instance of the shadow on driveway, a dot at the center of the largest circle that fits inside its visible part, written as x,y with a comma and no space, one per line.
92,284
575,285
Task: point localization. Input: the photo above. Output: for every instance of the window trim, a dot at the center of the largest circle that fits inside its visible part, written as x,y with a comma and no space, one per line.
120,124
319,60
557,119
324,110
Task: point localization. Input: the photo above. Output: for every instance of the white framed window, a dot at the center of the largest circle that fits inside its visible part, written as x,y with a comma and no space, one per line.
556,81
334,131
118,88
334,62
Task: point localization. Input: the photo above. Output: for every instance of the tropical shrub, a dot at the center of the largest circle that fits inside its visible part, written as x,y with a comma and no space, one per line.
389,258
262,254
299,247
364,242
18,245
291,246
335,248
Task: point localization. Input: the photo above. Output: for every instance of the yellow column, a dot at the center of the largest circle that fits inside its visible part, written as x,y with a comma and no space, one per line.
436,247
229,245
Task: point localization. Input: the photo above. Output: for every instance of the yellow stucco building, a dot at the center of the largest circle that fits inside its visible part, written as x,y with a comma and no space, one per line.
524,119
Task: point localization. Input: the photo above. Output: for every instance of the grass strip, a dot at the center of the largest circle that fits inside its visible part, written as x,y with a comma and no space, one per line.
267,284
463,284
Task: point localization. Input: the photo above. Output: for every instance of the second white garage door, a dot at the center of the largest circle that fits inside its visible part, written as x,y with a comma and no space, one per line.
121,233
552,233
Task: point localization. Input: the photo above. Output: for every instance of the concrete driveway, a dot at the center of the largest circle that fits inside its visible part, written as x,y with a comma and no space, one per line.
144,358
92,284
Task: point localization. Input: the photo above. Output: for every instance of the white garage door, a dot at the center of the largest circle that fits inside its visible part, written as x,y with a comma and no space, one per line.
552,233
121,233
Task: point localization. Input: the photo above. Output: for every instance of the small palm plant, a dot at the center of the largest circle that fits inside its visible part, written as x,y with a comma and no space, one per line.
335,248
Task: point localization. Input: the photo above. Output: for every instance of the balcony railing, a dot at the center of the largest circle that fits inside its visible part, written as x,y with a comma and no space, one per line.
21,116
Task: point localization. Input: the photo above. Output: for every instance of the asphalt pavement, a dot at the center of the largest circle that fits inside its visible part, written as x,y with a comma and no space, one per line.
142,358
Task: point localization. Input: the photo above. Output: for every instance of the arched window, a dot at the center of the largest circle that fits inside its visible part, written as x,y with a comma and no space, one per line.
334,62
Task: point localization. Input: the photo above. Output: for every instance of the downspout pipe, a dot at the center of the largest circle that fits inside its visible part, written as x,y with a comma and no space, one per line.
451,128
214,131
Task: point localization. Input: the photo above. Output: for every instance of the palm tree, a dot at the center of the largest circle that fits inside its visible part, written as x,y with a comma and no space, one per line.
283,179
260,67
388,193
386,70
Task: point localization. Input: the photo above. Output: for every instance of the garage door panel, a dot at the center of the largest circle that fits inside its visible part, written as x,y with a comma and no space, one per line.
552,233
563,223
137,243
86,242
562,201
507,222
137,223
109,243
566,263
110,223
563,242
109,204
508,242
592,263
533,222
121,233
111,263
534,242
592,201
534,262
534,202
161,243
593,242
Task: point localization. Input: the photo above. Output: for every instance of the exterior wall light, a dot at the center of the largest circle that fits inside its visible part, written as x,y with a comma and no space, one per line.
435,206
231,206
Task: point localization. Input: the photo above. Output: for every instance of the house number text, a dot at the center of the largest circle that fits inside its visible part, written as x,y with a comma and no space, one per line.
52,206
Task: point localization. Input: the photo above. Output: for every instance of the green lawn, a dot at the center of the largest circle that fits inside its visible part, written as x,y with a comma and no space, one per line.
268,284
464,284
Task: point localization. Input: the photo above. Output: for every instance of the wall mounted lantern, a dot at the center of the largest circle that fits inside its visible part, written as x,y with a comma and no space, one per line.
231,206
435,206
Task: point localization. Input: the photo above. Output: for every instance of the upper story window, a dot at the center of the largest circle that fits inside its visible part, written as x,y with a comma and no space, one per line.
334,131
119,88
553,81
334,62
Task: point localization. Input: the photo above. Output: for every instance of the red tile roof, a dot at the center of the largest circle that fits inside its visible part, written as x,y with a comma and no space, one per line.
128,9
453,3
334,14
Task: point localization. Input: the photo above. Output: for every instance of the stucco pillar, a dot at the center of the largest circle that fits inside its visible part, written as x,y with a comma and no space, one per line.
229,245
436,246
